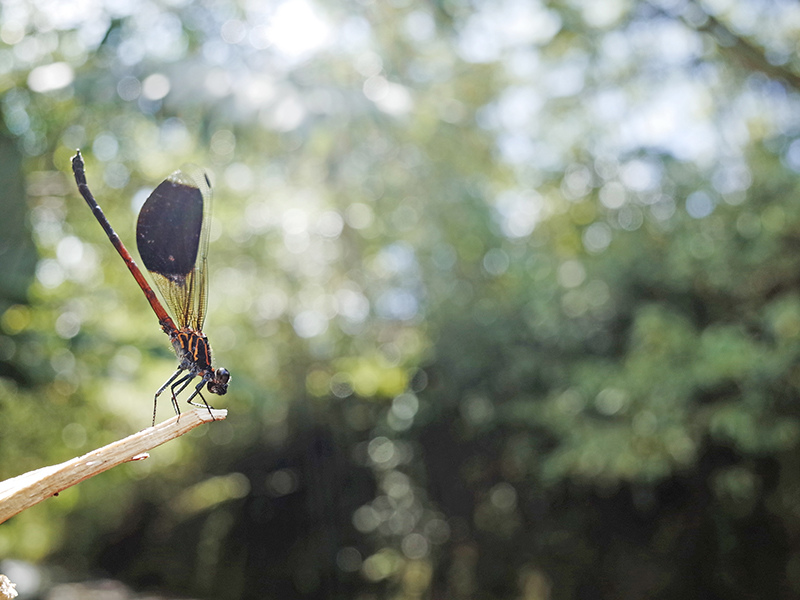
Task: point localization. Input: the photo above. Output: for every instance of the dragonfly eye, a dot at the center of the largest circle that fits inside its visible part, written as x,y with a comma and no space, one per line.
219,384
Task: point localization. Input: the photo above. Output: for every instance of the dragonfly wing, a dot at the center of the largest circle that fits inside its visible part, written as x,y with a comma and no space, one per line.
172,237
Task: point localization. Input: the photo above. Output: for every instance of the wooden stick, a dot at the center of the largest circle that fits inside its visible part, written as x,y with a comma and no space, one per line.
23,491
7,591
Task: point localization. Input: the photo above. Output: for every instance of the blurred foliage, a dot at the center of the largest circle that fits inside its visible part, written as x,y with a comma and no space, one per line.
509,292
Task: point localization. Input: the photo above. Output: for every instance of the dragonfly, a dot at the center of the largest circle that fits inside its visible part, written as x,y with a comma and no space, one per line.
172,238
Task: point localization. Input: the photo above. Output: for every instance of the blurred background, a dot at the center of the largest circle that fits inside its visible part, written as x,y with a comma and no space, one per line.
509,290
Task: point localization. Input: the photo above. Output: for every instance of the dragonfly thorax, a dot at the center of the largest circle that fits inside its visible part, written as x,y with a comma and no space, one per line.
194,352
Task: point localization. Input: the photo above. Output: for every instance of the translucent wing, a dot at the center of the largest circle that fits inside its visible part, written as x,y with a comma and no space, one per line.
172,236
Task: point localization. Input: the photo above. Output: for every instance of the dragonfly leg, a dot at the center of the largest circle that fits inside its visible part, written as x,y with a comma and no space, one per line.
197,392
161,389
181,385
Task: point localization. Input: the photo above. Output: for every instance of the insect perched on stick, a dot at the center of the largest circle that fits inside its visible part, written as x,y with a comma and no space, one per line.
172,236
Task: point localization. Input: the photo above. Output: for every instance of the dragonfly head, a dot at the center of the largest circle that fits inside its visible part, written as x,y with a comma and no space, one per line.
219,383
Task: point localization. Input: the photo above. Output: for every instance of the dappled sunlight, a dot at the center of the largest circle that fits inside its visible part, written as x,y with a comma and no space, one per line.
494,281
296,29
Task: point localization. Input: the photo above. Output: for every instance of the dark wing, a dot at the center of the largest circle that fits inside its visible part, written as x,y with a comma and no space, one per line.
172,236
